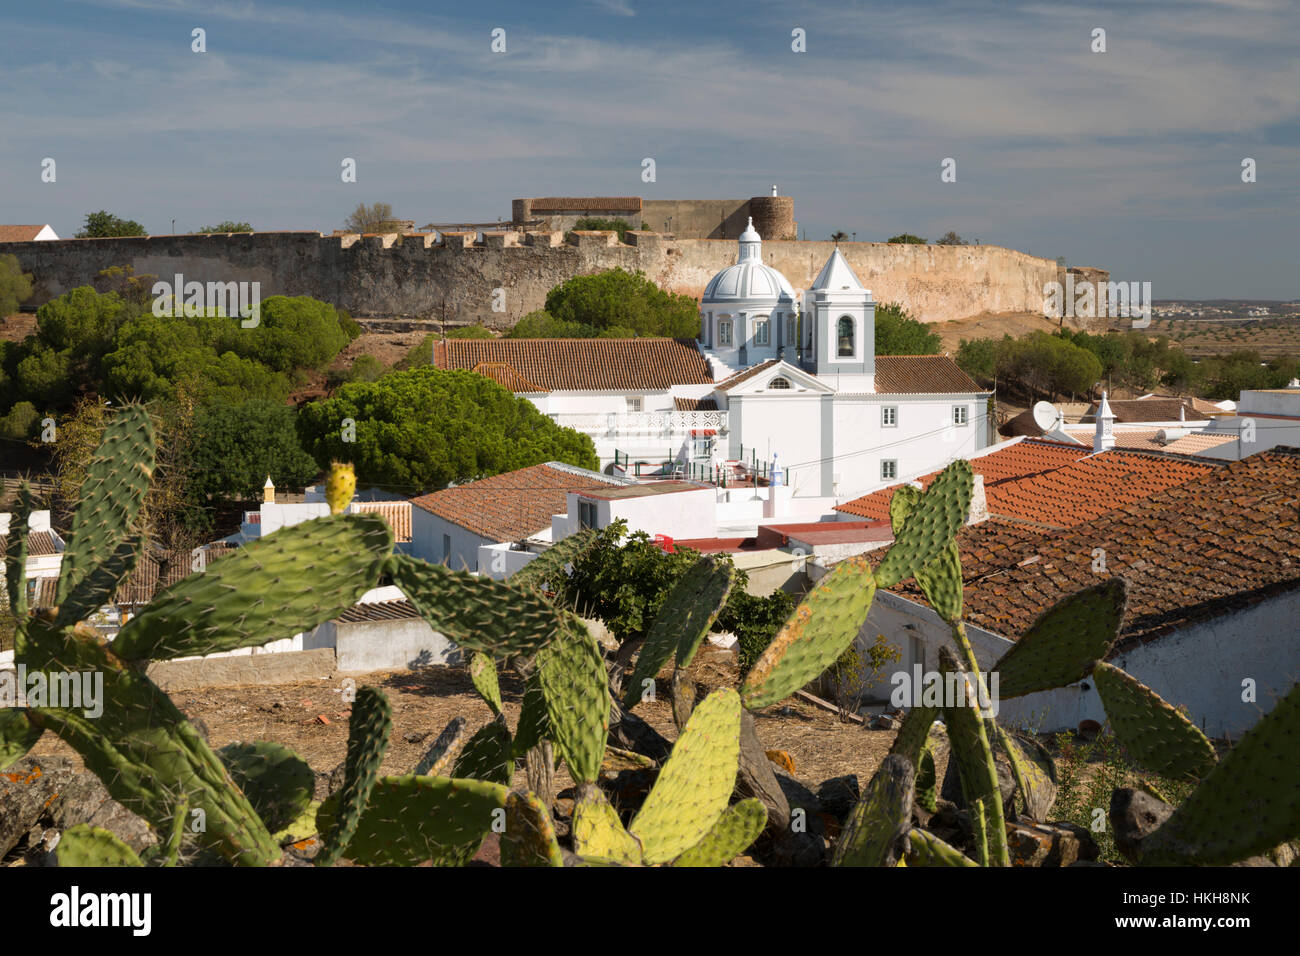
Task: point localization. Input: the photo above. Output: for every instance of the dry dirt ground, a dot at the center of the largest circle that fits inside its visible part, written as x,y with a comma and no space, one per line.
311,718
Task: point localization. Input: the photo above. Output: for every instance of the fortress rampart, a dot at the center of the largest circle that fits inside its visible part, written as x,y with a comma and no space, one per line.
423,275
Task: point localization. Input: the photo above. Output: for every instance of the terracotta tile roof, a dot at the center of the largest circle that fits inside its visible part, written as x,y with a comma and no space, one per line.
728,384
505,375
582,364
913,374
378,611
1198,442
39,544
1194,551
695,404
512,506
586,203
1016,462
1148,410
19,233
1146,439
398,514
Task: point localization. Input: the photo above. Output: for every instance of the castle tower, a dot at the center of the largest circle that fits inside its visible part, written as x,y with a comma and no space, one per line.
843,318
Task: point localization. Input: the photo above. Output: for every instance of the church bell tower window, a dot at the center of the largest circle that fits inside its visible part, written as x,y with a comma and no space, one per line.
845,337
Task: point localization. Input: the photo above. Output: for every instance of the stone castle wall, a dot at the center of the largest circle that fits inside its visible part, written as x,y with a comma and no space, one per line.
418,276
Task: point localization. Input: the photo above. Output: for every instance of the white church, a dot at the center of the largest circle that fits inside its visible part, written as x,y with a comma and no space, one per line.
784,378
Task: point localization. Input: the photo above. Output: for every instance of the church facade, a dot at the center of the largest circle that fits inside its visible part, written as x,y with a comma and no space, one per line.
783,376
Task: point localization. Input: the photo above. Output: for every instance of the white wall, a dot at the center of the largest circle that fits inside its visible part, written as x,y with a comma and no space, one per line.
427,532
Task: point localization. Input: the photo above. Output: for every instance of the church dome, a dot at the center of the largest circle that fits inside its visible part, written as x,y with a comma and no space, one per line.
749,280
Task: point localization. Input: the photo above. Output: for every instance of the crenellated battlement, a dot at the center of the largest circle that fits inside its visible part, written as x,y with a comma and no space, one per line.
418,274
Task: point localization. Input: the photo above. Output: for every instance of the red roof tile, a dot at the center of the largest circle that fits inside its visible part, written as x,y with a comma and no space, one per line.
581,364
19,233
586,203
512,506
917,374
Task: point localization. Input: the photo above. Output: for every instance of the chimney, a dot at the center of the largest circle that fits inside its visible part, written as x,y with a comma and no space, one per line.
268,491
1104,438
1182,412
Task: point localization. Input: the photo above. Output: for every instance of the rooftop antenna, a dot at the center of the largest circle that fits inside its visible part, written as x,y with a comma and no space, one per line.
1047,416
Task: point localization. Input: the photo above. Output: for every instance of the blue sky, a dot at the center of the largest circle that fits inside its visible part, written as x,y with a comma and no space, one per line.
1129,160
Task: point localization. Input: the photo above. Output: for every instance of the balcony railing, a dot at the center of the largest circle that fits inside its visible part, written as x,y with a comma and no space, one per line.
615,425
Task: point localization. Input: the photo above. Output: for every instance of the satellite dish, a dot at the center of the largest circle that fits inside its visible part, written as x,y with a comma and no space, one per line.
1046,416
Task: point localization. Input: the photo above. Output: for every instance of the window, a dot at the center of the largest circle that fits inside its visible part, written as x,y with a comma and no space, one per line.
762,332
846,336
634,403
779,382
587,514
724,331
889,416
888,469
959,414
446,549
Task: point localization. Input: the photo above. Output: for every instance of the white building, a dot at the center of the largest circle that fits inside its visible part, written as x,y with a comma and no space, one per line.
778,379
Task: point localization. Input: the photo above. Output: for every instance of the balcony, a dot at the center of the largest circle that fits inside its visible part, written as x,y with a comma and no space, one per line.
614,426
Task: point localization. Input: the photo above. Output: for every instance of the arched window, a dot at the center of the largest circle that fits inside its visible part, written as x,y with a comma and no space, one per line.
845,336
779,382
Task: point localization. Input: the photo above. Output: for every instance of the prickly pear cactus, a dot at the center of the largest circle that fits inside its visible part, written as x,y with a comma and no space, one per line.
277,782
272,588
575,686
1247,804
16,552
1035,775
696,782
875,829
486,755
18,735
819,631
533,724
930,525
926,778
685,618
738,826
926,849
940,580
528,838
368,730
340,486
84,845
1064,643
597,830
411,819
547,569
476,612
483,672
1156,735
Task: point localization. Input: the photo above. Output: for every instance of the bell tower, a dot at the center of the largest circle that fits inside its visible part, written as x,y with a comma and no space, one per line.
844,322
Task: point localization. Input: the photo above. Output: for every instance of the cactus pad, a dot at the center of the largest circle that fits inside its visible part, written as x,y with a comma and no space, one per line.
1248,804
437,760
533,724
1064,643
1035,775
17,735
483,672
597,830
476,612
926,849
15,556
277,782
368,729
529,837
1156,735
914,734
486,756
822,626
971,748
696,782
575,685
738,827
272,588
84,845
926,778
875,829
940,580
410,819
930,525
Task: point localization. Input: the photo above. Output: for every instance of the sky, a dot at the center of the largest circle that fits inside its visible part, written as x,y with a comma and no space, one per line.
1128,159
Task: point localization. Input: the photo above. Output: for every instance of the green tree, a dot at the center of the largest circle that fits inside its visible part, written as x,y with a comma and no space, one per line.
620,299
228,226
907,238
104,225
236,447
426,428
374,218
897,333
597,223
470,332
15,285
20,424
978,358
949,238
